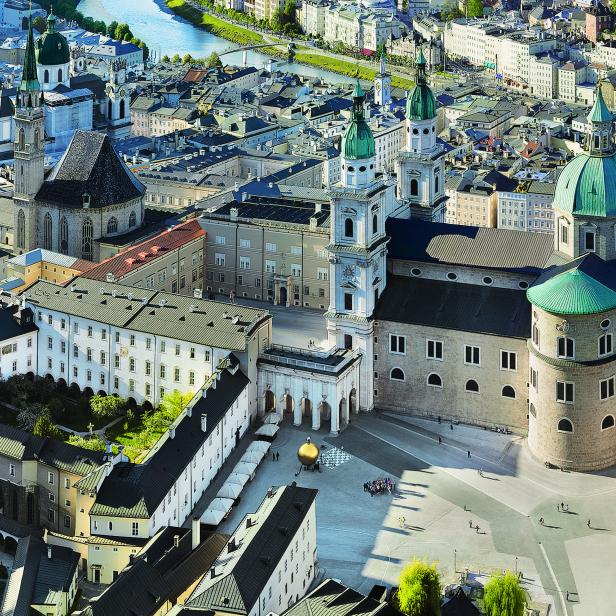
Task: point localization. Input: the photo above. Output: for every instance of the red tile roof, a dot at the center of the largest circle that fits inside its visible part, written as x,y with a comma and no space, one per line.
195,75
137,256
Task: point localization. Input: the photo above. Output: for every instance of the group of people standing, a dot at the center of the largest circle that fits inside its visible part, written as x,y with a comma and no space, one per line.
380,486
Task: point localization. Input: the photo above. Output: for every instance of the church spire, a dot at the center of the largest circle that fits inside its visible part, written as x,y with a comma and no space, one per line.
421,66
30,88
600,139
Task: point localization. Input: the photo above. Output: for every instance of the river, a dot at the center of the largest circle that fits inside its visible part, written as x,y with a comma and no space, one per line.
166,33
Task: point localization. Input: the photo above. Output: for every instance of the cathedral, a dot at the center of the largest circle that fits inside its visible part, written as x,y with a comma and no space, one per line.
76,204
490,327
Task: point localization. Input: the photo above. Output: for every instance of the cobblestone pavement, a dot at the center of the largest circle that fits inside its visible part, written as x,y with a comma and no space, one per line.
366,540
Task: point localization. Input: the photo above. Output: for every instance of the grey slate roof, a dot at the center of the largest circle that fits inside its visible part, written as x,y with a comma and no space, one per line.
239,589
455,305
90,165
503,249
136,490
211,323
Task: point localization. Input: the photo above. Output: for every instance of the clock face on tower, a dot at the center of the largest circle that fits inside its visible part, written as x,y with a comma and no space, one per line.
349,272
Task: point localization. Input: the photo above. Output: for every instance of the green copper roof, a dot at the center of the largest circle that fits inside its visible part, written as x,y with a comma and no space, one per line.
29,79
599,111
572,292
421,59
358,140
587,186
52,47
421,104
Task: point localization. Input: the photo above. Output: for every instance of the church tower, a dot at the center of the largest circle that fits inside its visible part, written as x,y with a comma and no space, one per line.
382,85
118,101
28,150
421,165
360,204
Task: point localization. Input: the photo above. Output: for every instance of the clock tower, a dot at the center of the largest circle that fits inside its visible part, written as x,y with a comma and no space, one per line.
360,204
382,85
118,101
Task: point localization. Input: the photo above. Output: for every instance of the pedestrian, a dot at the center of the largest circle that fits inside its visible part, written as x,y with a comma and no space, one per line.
541,521
557,507
273,456
470,523
451,426
277,456
588,523
468,454
567,595
477,529
439,440
439,419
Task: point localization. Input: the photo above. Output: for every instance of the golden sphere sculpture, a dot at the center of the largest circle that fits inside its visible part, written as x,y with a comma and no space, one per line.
308,453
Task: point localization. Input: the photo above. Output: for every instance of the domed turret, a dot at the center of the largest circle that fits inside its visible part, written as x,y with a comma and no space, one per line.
421,104
358,141
52,47
308,453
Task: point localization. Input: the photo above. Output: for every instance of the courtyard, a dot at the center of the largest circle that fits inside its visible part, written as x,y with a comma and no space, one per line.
364,540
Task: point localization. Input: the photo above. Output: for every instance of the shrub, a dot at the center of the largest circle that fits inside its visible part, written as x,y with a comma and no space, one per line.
419,590
503,596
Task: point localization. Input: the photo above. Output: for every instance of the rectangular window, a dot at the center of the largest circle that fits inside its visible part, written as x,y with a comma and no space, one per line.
270,267
191,378
131,385
117,337
606,388
322,273
472,355
89,354
116,361
62,323
103,358
148,368
244,262
565,347
132,339
605,345
434,349
270,247
534,379
163,371
177,350
219,259
589,240
12,470
75,351
67,521
509,360
148,343
131,364
116,382
176,375
135,529
163,346
103,334
244,243
565,392
296,270
148,390
221,240
397,344
89,331
50,478
348,301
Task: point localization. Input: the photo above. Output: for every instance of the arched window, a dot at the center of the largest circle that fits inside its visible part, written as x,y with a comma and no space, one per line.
64,235
414,187
122,109
608,422
21,229
436,183
21,139
375,223
508,392
565,425
435,380
60,75
132,219
86,239
37,138
348,228
396,374
46,76
472,386
112,225
47,231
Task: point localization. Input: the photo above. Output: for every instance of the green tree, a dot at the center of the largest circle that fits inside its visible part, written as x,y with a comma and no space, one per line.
213,60
121,31
419,590
503,596
106,407
39,24
450,11
45,427
166,58
176,58
111,28
187,59
173,403
94,443
474,8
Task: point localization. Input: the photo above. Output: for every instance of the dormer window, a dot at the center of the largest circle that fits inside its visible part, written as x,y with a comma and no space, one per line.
589,240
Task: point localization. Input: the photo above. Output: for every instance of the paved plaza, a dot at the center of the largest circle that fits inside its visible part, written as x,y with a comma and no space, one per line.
363,540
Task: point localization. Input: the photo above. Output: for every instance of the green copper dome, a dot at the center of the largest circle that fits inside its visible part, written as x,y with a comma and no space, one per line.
358,140
572,292
587,186
600,112
421,104
52,47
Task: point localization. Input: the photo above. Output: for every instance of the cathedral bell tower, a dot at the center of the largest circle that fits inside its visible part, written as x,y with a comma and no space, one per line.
382,85
360,204
421,165
28,149
118,101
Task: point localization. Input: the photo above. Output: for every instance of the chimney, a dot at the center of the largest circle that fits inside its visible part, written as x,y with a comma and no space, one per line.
244,197
313,223
176,541
49,552
233,213
172,432
198,293
317,208
196,533
203,422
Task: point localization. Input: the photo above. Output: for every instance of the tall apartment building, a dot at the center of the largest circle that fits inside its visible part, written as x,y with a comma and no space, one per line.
527,207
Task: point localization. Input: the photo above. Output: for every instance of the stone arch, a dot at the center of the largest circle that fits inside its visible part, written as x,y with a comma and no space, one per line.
325,410
414,187
30,376
131,403
74,389
353,409
101,392
508,392
112,225
397,374
49,377
269,401
287,404
565,425
88,392
305,405
343,413
147,406
349,227
61,385
607,422
435,380
47,231
472,386
375,223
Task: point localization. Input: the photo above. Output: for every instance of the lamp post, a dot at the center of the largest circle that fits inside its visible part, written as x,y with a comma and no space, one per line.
516,566
455,561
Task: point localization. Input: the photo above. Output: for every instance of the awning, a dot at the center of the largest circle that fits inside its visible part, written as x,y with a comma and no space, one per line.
221,504
245,468
253,457
229,490
238,478
271,418
260,446
267,430
212,518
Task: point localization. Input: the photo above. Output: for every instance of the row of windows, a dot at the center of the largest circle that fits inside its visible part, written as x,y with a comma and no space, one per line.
565,346
435,350
487,280
566,425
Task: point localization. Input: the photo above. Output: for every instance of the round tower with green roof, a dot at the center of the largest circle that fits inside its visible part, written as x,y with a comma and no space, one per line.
53,57
357,151
585,196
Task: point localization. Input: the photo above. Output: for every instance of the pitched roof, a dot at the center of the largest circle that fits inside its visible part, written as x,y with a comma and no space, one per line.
459,605
504,249
136,490
87,167
246,571
455,305
145,253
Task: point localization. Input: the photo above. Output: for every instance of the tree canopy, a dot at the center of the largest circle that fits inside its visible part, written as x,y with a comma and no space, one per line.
213,60
503,596
474,8
419,590
45,427
106,407
173,403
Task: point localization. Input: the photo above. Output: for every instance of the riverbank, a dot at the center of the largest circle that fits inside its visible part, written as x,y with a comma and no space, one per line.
304,55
